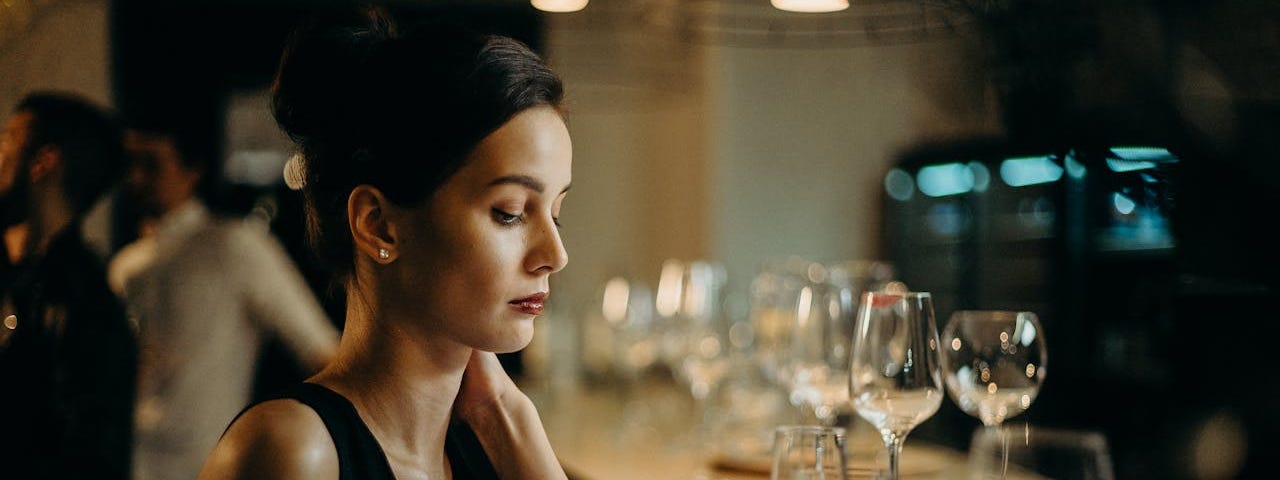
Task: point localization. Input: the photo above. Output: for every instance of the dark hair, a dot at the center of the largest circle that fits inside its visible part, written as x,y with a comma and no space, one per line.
88,137
368,105
184,136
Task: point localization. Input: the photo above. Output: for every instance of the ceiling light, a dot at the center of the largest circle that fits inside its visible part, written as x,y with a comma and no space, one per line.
810,6
559,6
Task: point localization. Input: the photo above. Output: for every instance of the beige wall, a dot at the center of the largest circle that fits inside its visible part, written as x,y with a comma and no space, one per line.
686,147
802,138
62,45
58,45
637,119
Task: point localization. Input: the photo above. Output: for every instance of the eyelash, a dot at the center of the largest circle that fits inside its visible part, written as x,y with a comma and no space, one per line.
507,219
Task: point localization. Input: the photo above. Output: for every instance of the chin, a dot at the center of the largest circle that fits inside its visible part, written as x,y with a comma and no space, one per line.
514,339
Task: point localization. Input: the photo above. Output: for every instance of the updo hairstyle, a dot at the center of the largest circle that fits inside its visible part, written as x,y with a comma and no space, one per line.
366,104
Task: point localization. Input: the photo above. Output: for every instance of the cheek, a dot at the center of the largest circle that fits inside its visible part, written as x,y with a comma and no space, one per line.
469,264
487,259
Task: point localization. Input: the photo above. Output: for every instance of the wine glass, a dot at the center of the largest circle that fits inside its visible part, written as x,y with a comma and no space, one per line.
691,323
993,362
809,452
774,293
894,377
667,302
626,306
705,354
818,370
694,338
1027,451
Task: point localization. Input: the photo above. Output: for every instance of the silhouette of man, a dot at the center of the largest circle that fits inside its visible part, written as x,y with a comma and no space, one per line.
68,355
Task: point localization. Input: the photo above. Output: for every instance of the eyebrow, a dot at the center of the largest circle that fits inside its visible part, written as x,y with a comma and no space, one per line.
524,180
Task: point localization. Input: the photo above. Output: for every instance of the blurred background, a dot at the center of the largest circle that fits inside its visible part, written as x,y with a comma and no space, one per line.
1111,165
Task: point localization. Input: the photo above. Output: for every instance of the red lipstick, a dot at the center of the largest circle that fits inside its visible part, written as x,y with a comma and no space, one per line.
530,305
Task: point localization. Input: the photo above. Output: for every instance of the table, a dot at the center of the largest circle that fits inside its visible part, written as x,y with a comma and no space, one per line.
600,435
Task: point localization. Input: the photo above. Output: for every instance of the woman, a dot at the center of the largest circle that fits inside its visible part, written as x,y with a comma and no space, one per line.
434,167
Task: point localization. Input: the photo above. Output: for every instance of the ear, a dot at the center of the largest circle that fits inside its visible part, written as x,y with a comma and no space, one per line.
45,162
372,230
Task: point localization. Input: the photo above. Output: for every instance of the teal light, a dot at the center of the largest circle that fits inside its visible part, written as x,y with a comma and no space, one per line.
1023,171
898,184
1117,165
945,179
1128,159
981,176
1075,169
1142,153
1122,203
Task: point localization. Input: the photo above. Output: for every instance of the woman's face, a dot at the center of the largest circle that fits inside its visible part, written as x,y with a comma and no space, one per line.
473,261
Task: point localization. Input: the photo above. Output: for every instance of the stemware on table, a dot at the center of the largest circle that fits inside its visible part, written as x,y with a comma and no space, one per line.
993,362
818,363
894,375
627,307
698,342
774,292
694,333
802,314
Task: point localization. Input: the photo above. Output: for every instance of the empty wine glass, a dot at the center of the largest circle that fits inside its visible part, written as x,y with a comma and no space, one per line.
993,362
809,452
706,330
626,306
774,292
818,370
670,327
1025,451
692,327
895,379
694,334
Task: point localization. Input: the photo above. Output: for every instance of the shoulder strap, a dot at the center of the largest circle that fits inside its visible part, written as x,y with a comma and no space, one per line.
359,455
467,455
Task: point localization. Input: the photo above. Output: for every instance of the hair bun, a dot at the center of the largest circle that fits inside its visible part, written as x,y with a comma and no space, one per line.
319,78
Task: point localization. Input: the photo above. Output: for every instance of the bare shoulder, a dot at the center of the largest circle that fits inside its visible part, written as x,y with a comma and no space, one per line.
274,439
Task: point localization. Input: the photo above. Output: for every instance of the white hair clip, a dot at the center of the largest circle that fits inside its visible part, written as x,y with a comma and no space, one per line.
294,174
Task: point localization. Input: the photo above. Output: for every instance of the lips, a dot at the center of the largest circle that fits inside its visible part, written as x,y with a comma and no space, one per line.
530,305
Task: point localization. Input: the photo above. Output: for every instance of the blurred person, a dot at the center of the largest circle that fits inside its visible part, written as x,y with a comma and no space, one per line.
207,292
433,164
68,356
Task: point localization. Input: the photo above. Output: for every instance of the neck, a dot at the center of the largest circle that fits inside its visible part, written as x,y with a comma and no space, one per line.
174,205
402,384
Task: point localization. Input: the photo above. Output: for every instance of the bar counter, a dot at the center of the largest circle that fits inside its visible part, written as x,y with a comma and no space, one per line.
600,436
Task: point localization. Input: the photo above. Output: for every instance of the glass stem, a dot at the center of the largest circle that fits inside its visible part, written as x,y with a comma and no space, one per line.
702,428
893,442
1004,452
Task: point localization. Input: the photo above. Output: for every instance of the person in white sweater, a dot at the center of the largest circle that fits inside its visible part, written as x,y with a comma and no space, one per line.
206,293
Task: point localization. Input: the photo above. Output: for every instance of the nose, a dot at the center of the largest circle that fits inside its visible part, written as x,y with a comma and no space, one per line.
546,250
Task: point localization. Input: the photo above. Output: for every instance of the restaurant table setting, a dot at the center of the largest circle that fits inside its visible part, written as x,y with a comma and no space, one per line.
824,377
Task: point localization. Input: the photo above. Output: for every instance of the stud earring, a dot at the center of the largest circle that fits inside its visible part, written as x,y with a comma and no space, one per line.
383,253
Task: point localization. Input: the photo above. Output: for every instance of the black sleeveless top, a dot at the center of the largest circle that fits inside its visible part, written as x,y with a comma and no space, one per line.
359,455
